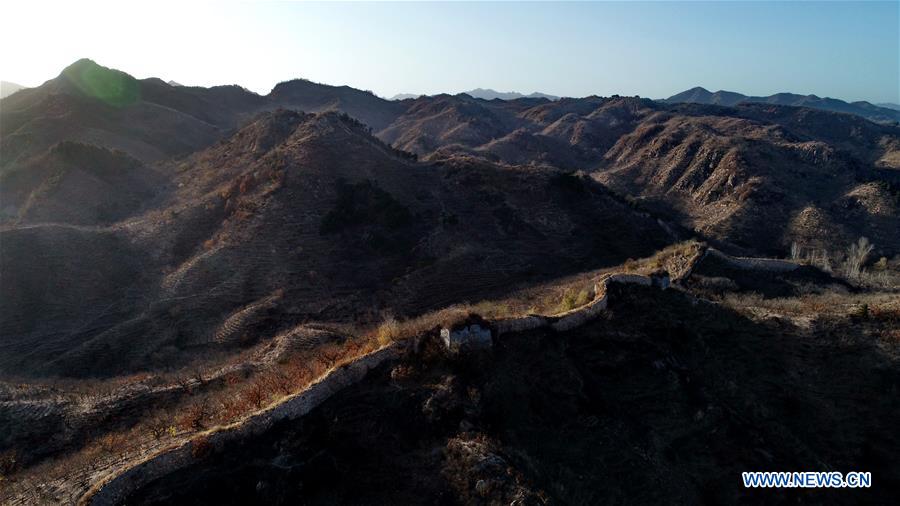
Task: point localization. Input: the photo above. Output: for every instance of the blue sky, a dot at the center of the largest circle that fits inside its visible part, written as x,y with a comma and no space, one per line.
848,50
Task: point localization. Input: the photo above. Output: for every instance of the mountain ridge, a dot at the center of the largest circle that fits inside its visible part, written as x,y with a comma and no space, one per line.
700,95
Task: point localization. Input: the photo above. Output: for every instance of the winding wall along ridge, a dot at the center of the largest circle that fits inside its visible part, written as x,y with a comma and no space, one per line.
115,488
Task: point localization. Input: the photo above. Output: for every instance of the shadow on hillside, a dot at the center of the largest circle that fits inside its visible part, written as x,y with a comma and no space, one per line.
663,401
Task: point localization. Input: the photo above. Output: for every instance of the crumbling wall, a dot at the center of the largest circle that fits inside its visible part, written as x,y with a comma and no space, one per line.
580,315
469,337
115,489
759,264
521,324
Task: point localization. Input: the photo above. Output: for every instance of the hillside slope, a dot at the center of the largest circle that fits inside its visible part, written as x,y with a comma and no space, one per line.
764,176
667,399
299,217
79,184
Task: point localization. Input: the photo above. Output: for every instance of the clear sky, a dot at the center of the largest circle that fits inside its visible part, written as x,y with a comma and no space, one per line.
847,50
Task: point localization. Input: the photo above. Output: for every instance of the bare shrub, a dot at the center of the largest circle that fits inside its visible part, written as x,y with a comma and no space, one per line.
196,416
158,427
201,447
572,299
822,260
113,443
186,384
255,395
856,257
388,331
392,330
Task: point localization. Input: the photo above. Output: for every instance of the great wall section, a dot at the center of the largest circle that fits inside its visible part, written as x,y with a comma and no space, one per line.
114,486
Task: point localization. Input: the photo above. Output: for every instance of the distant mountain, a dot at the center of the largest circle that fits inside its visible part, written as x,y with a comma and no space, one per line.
489,94
308,96
404,96
7,88
627,137
699,95
888,105
111,109
174,83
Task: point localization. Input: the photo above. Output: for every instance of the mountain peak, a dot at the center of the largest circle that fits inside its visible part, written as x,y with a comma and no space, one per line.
91,79
81,64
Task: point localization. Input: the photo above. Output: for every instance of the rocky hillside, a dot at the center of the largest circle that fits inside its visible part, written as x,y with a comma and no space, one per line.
78,184
209,216
296,217
665,400
764,176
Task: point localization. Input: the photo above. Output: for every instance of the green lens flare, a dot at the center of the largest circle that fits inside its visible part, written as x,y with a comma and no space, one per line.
112,87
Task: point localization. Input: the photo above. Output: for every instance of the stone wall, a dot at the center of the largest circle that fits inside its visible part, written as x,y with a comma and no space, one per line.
115,489
580,315
756,264
470,337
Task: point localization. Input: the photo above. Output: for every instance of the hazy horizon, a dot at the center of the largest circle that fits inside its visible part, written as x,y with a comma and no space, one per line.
844,50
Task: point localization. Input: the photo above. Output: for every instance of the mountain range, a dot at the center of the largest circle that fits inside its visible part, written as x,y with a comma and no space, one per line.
361,198
210,294
485,94
879,113
489,94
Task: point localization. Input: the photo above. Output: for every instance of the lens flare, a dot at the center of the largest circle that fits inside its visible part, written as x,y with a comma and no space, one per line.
111,86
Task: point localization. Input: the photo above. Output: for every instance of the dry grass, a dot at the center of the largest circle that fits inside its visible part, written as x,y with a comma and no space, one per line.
572,299
240,396
830,303
242,393
393,330
673,259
